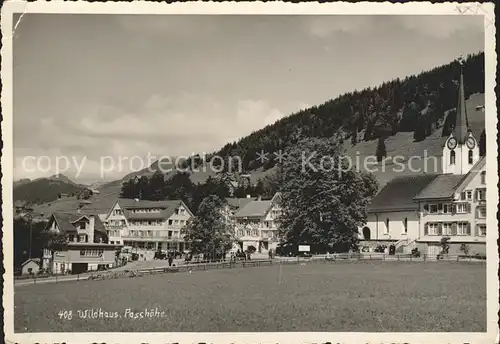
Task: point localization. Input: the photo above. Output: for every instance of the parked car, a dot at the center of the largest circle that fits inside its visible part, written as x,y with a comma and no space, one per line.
160,255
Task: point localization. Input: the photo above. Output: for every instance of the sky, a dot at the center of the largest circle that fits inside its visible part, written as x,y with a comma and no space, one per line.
94,90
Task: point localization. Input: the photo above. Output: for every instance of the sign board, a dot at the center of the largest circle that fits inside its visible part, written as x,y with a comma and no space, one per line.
304,248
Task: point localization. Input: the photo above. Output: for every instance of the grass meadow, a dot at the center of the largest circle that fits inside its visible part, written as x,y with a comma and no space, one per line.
323,296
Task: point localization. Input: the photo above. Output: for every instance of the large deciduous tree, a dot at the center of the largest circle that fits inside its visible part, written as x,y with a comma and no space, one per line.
323,200
209,233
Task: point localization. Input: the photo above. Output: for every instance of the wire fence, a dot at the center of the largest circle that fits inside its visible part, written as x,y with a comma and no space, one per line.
232,264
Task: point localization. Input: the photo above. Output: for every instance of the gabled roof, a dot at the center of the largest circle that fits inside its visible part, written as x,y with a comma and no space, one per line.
238,203
35,260
478,166
65,221
167,208
254,209
443,187
397,194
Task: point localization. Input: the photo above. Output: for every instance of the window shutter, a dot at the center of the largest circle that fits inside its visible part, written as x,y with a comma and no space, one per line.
469,208
476,232
454,228
426,229
476,196
440,229
453,208
468,228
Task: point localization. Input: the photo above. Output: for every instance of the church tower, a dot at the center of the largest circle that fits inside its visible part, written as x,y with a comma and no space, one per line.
460,151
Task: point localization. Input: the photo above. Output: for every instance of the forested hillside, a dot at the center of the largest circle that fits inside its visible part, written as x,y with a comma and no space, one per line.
45,190
415,104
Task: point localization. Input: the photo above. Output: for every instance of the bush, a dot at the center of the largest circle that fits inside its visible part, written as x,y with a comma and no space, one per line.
251,249
465,248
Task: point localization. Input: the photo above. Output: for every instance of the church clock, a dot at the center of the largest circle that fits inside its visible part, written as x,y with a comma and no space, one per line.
471,143
452,143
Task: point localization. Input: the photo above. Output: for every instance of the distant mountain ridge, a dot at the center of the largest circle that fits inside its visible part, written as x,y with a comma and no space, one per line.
43,190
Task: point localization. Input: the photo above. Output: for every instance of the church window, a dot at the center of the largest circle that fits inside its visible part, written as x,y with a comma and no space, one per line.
452,158
387,226
406,224
471,157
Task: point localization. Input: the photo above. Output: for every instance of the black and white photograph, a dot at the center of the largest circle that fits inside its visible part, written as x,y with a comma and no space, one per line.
228,169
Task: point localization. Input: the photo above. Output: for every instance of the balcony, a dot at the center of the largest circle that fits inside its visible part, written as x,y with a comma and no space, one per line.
115,227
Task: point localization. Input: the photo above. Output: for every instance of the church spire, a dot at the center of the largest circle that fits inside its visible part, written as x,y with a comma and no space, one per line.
460,129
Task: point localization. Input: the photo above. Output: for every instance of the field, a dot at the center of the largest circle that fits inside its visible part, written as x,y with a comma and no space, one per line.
323,296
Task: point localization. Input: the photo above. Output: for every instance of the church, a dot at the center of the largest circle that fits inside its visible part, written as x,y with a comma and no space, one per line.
416,211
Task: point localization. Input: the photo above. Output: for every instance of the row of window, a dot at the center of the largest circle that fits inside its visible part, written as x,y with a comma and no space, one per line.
145,210
447,208
453,228
454,208
114,233
405,225
453,157
78,238
255,233
117,242
91,253
153,234
257,223
479,195
179,211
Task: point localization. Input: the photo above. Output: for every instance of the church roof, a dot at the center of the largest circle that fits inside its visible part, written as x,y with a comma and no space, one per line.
442,187
461,127
398,194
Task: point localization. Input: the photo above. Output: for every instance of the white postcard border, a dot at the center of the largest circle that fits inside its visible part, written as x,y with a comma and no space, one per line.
213,8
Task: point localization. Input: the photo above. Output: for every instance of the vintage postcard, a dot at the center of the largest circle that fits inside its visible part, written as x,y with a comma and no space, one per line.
249,172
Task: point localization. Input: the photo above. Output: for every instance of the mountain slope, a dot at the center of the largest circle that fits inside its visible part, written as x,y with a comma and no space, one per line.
44,190
394,110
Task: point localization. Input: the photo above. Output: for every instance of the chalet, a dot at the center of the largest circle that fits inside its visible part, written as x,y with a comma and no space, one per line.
87,246
148,225
256,224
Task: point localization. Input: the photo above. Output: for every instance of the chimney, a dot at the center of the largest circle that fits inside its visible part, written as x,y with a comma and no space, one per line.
91,228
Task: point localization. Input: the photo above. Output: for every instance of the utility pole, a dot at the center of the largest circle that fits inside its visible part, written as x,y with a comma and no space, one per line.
29,217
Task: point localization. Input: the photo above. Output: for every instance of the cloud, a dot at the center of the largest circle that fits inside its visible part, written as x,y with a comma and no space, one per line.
439,26
325,26
442,26
164,125
162,25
